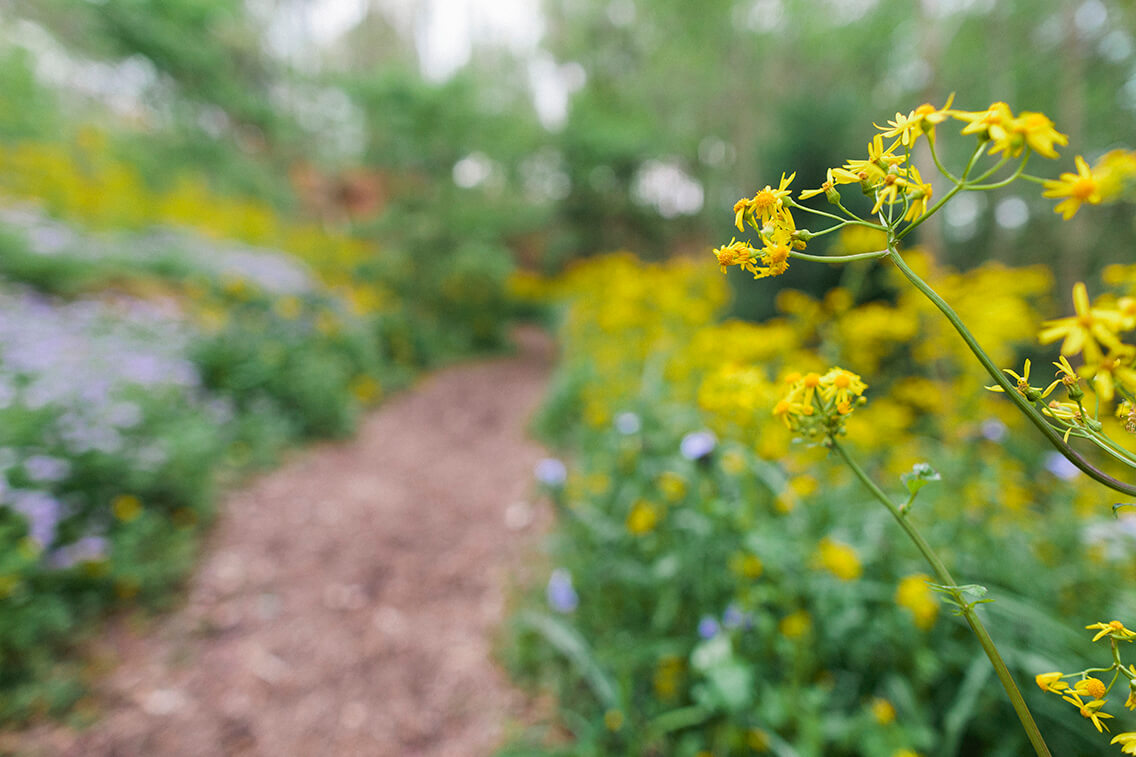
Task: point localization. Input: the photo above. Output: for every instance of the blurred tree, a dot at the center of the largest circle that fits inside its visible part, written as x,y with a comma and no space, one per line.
737,91
208,48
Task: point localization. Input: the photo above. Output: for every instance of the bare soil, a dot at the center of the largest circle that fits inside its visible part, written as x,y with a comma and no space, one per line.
346,603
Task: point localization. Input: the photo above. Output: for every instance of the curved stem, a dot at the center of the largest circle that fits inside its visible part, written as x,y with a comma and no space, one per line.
853,216
958,187
854,219
1107,444
938,165
1023,404
1003,182
992,170
829,230
944,577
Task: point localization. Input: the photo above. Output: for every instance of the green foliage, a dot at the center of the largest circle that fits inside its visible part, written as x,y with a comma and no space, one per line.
642,597
27,109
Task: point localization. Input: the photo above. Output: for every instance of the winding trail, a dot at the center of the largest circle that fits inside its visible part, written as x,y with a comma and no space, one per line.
346,603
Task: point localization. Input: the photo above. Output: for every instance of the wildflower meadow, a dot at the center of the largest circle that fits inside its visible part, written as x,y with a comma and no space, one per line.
829,306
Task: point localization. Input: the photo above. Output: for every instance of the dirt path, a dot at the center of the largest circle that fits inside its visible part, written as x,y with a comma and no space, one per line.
346,603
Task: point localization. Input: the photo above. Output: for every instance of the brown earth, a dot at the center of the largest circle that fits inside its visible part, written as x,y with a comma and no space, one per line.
346,603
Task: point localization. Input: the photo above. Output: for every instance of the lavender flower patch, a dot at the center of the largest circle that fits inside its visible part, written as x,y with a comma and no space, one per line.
272,271
83,370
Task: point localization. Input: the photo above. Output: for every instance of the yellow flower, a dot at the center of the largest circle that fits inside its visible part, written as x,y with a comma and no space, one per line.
922,120
840,386
839,559
889,190
875,168
1113,628
1116,367
791,412
365,389
1089,710
1065,374
1127,742
765,204
1022,380
643,517
1076,188
1033,130
757,740
1093,688
987,124
1050,682
1115,173
776,259
905,753
915,595
919,194
672,485
126,507
795,625
613,720
747,565
736,253
1084,330
833,177
882,710
834,394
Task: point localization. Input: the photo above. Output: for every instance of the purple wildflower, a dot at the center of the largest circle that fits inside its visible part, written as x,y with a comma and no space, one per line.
561,595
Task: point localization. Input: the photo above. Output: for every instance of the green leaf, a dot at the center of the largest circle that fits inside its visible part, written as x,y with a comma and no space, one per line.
921,475
956,594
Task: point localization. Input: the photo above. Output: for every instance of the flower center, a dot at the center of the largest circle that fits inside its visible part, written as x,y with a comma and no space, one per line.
1083,188
764,201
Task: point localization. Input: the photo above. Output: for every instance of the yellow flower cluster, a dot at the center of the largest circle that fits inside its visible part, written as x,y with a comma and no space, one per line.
769,215
83,182
647,329
1009,134
816,404
1088,692
1107,366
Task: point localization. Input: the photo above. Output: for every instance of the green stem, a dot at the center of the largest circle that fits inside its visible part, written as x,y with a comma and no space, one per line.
942,170
944,577
1003,182
829,230
1011,390
838,258
854,219
853,216
958,187
1108,445
990,171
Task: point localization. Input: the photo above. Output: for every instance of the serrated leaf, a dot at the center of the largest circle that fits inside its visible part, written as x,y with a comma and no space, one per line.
971,590
921,474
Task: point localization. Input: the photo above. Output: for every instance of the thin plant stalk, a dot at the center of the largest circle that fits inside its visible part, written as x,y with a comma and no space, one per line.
943,575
